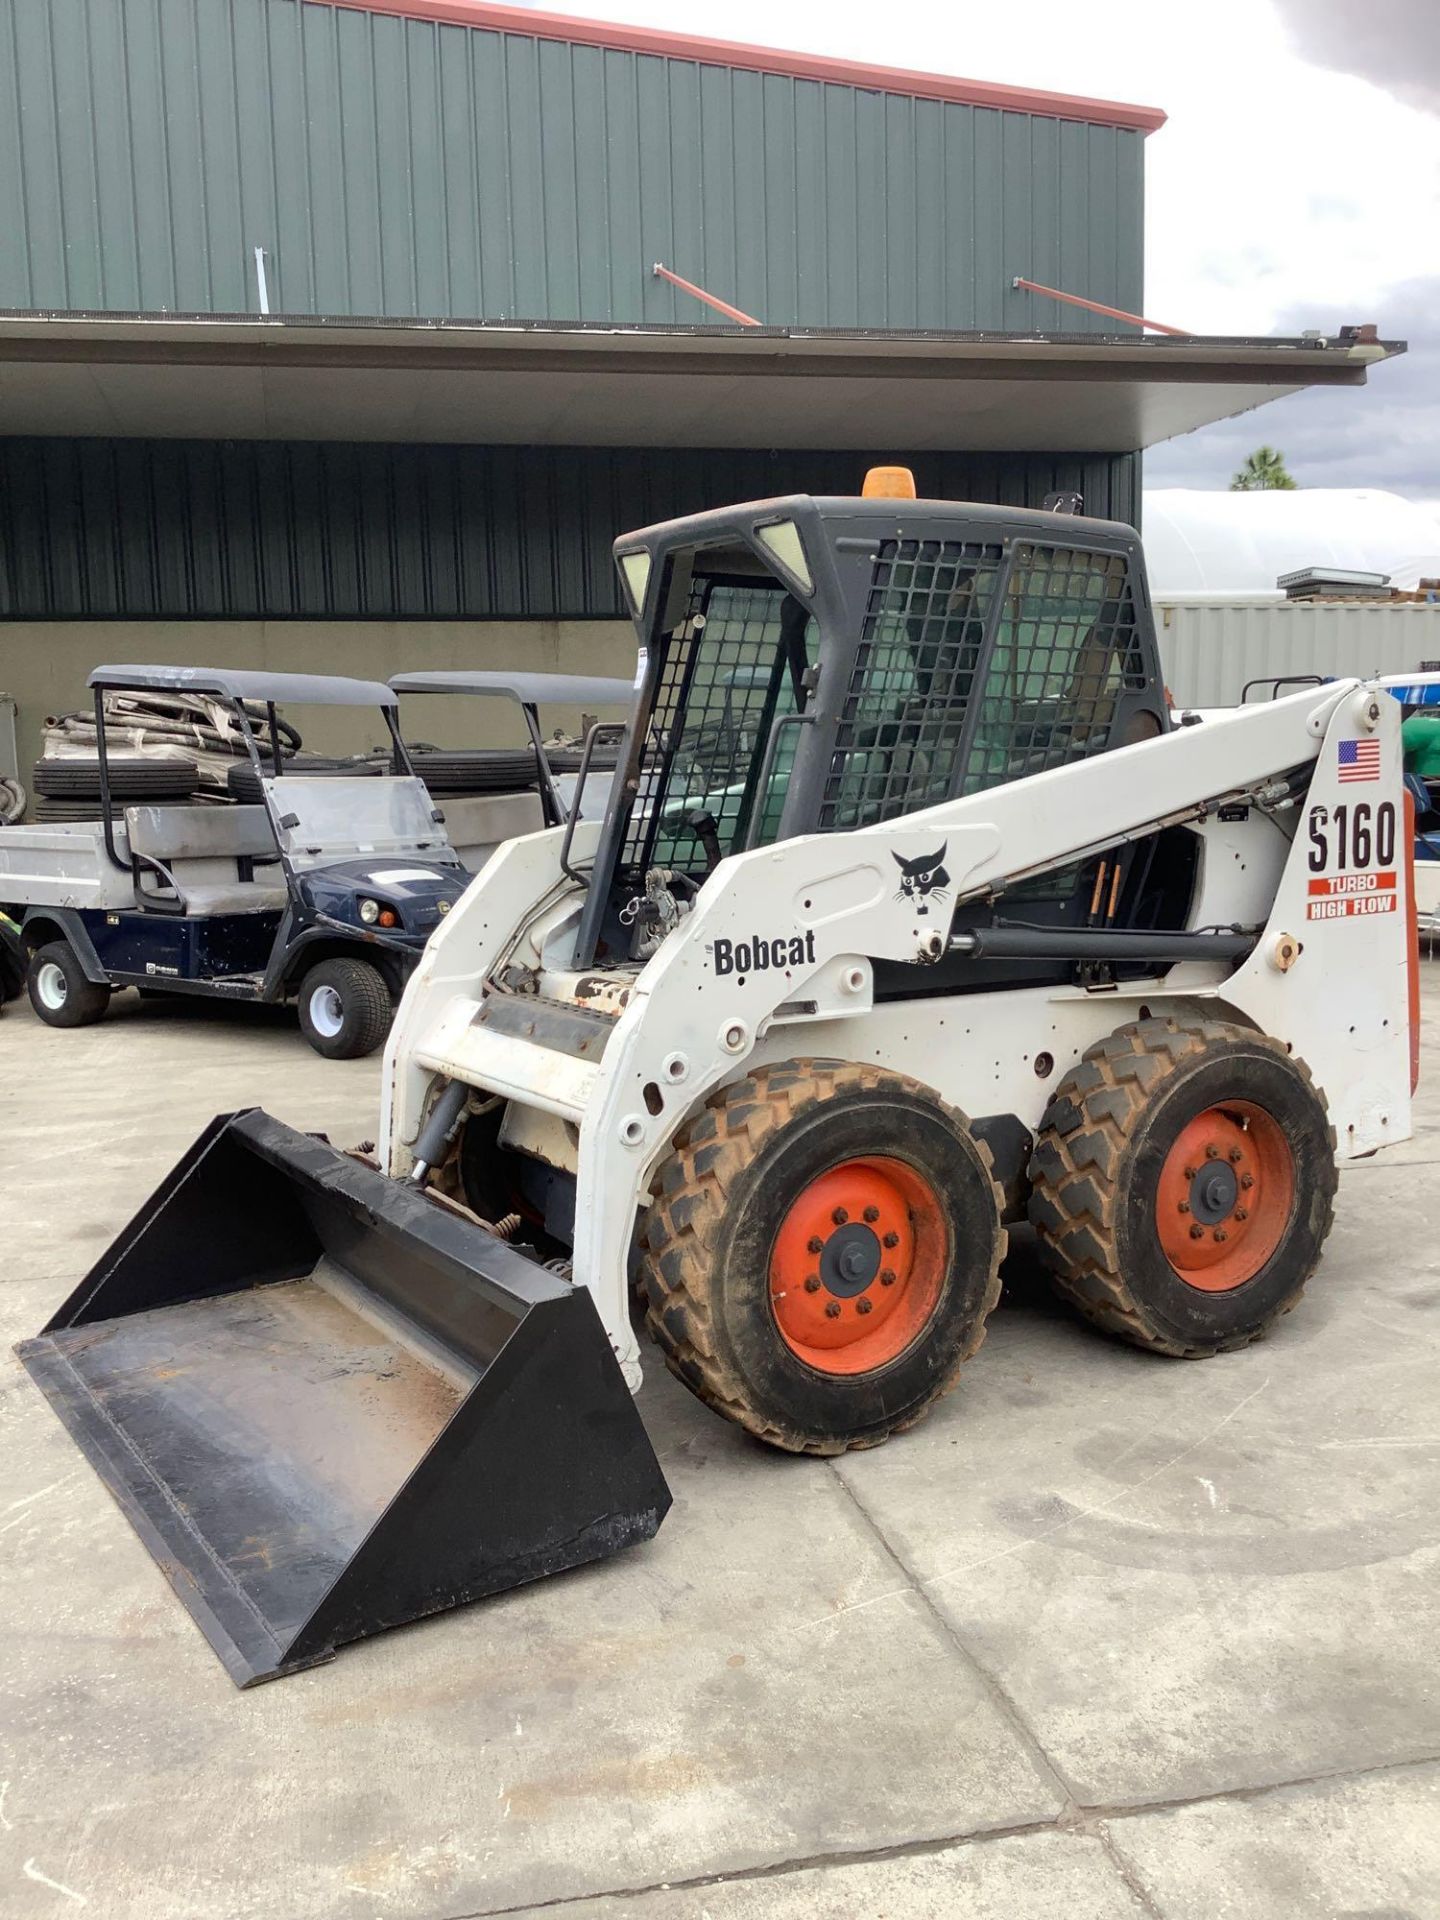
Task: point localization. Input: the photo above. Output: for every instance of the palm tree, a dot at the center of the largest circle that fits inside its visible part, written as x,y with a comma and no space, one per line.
1264,469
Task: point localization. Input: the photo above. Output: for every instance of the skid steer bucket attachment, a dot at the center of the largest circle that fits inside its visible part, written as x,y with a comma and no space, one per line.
328,1406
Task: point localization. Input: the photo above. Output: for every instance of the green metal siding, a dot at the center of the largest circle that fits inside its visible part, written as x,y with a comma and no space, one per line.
173,529
393,166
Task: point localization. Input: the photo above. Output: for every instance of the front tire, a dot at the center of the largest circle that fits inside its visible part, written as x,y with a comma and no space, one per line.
1184,1184
59,991
822,1253
345,1008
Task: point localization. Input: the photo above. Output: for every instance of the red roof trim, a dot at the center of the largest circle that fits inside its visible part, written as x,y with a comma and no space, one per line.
730,53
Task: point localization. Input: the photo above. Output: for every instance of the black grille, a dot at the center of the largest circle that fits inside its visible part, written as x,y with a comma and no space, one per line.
900,729
1065,650
723,680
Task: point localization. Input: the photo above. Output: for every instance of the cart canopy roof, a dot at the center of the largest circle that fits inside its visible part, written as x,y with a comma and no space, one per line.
243,683
530,689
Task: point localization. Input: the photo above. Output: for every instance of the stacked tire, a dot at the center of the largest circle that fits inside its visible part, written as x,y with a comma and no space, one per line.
475,770
447,770
69,789
604,758
243,783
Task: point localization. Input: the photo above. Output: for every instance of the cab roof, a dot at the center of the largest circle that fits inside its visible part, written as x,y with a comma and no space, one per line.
884,516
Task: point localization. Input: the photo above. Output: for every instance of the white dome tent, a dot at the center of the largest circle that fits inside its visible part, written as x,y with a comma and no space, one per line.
1235,545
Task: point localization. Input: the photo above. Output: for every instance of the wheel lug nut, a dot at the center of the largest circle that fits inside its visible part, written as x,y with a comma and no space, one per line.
1220,1234
832,1310
1184,1206
812,1283
839,1216
872,1214
862,1305
1212,1152
1247,1180
892,1240
815,1244
887,1278
1236,1156
1242,1213
1190,1172
1197,1233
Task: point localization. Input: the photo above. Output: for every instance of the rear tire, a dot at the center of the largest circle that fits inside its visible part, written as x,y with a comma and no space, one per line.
345,1008
767,1293
1183,1185
59,991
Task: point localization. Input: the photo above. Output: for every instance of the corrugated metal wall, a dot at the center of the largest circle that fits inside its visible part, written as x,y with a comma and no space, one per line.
393,166
174,529
1209,652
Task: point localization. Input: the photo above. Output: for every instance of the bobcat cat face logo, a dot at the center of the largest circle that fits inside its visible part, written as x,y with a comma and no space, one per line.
923,880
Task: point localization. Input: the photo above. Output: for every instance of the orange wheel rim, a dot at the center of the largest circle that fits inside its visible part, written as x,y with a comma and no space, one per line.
857,1266
1226,1196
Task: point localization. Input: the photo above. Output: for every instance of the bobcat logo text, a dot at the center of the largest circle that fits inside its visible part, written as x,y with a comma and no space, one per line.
759,954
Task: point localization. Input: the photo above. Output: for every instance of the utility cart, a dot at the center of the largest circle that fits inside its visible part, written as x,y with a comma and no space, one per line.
323,892
479,823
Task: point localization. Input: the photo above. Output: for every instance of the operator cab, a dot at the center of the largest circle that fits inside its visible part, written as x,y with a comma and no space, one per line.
825,664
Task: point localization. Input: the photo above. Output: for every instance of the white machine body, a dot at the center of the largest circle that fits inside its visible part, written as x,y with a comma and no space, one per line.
774,959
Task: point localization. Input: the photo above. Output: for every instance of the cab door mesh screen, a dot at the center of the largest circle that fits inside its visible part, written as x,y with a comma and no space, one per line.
899,734
722,684
1065,650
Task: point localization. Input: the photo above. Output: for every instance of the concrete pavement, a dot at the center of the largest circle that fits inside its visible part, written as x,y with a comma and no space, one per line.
1106,1636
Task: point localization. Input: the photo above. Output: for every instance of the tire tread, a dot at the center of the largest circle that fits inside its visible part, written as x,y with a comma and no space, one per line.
1083,1136
687,1216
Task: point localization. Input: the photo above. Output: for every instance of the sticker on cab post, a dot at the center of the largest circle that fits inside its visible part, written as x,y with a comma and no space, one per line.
1351,859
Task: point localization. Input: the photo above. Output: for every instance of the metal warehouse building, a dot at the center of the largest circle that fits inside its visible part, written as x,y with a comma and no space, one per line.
329,335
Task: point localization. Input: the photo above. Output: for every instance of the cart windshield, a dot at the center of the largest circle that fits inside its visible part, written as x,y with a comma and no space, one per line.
329,816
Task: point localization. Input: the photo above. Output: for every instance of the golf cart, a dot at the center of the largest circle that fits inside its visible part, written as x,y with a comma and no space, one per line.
324,892
478,822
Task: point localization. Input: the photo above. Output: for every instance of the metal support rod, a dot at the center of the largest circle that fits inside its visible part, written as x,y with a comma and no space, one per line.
262,285
1094,306
1059,943
711,299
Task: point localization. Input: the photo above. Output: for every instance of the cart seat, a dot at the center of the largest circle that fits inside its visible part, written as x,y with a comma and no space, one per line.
477,823
224,859
252,896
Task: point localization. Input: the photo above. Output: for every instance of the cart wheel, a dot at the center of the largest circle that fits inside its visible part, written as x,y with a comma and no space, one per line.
58,989
822,1253
345,1008
1183,1185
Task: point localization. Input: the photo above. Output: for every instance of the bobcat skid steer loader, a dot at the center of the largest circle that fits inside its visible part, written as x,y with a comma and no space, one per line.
912,912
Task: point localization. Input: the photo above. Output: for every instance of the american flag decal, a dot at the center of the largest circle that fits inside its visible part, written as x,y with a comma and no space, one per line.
1359,760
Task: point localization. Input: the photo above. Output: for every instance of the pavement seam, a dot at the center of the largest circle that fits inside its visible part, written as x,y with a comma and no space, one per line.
1391,1165
778,1869
1009,1711
1126,1870
1086,1822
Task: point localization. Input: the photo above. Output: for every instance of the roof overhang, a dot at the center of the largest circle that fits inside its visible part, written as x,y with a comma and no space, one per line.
299,378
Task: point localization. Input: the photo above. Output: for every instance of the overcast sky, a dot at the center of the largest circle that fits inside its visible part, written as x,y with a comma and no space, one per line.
1297,183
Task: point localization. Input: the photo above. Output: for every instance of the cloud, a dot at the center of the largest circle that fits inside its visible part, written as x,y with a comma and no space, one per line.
1393,43
1385,434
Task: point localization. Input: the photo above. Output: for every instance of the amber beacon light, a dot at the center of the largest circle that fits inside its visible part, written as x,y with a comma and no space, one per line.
889,483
